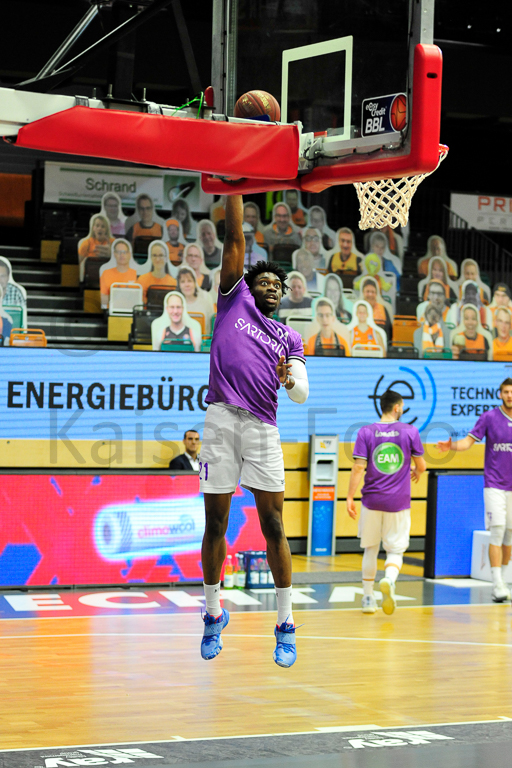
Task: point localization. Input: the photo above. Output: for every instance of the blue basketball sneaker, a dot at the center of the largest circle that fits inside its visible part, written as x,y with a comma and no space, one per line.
211,644
285,653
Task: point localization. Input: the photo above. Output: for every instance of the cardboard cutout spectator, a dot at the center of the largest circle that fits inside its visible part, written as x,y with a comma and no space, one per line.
437,247
435,295
328,336
433,334
147,223
470,335
97,243
175,324
312,242
501,297
214,290
5,322
14,294
181,211
370,292
394,238
333,290
193,257
502,343
372,267
299,213
218,210
437,270
210,243
297,300
346,261
469,270
157,270
318,220
471,294
390,262
303,262
282,230
253,252
176,243
364,333
197,299
111,208
252,216
122,268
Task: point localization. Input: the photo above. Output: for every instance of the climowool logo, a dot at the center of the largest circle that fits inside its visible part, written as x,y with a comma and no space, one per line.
418,390
388,458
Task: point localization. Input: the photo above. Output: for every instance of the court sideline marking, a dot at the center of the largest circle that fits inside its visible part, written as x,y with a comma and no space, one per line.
317,732
302,637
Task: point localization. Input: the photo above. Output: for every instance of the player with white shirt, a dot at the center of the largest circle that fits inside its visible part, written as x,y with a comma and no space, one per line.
252,356
496,426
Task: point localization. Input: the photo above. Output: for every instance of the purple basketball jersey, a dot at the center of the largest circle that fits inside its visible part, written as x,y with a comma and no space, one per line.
246,348
496,427
387,448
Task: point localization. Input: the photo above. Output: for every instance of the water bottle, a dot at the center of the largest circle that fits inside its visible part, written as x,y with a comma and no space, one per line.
262,568
240,572
254,574
229,577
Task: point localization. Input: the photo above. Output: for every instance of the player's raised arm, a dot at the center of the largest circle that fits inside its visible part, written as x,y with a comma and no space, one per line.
234,244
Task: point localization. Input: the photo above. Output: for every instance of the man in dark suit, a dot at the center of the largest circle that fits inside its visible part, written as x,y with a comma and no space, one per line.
188,460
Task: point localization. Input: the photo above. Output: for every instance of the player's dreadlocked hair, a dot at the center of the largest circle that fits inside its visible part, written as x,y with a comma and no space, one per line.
266,266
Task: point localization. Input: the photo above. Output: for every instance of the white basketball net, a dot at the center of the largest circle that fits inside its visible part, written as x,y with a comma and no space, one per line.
387,202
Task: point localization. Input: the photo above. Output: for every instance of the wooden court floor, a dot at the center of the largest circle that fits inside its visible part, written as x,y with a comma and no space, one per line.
111,679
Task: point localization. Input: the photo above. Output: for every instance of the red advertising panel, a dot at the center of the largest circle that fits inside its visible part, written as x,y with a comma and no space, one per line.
85,529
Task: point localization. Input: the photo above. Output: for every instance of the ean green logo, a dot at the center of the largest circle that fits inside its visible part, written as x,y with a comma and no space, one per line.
388,458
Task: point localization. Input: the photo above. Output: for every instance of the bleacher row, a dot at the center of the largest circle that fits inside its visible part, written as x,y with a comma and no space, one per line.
378,300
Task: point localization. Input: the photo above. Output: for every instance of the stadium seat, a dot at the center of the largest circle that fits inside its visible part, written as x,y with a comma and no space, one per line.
404,327
123,298
27,337
404,349
300,323
406,304
156,295
16,314
201,319
474,355
92,268
141,326
367,350
176,345
434,353
409,286
68,250
282,254
141,246
329,350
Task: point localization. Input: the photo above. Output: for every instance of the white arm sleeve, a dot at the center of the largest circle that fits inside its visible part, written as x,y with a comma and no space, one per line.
300,390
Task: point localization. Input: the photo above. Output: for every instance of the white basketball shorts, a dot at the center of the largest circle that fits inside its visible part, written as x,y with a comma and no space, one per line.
392,528
239,446
498,507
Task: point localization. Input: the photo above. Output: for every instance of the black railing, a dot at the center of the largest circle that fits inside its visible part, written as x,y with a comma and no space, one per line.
465,242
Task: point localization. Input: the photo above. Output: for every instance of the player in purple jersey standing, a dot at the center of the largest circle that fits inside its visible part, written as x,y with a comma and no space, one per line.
496,426
252,356
385,449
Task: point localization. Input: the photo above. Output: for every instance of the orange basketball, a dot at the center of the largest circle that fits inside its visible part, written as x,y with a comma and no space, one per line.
398,112
254,103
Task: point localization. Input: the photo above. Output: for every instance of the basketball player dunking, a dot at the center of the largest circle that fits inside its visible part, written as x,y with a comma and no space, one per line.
252,355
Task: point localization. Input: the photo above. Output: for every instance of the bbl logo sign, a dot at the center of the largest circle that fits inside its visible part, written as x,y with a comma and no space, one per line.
388,458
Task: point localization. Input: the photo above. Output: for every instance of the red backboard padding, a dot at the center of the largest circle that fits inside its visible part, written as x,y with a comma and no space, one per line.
226,149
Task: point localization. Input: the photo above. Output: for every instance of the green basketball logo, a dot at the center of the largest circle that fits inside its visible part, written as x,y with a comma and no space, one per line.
388,458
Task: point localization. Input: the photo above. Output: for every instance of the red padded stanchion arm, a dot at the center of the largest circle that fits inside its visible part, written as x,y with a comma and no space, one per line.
224,149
